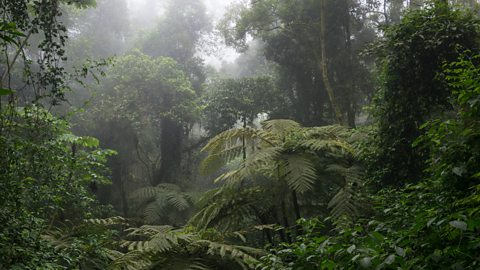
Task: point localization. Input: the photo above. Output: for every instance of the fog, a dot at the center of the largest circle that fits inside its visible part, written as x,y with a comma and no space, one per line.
145,13
239,134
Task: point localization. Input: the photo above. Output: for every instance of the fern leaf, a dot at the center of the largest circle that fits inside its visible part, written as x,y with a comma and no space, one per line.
300,173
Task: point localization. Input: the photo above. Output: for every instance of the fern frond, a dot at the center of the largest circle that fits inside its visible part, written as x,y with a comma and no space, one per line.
328,145
255,164
280,126
145,193
244,256
133,260
300,173
348,200
228,139
159,238
345,203
152,212
213,162
326,132
227,209
353,174
108,221
178,262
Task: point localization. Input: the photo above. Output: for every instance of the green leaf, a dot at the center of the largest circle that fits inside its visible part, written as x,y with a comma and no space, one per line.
400,251
390,259
6,92
458,224
351,249
366,262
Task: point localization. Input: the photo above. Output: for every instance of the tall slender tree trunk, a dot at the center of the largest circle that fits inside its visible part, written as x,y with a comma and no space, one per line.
285,221
171,150
350,107
324,66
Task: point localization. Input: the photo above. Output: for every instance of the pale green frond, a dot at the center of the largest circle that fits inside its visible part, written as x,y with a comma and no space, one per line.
146,193
255,164
228,139
152,212
169,187
300,173
345,203
213,162
227,209
173,262
280,126
108,221
244,256
178,200
133,260
352,174
326,132
149,230
228,146
159,238
328,145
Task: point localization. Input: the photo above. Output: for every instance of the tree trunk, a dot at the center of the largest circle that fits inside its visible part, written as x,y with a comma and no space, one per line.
350,100
285,221
171,150
324,67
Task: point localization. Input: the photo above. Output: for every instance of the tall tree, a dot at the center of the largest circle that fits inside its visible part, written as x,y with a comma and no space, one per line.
413,53
178,36
316,43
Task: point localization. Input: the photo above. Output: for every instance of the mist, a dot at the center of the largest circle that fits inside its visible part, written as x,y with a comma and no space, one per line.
239,134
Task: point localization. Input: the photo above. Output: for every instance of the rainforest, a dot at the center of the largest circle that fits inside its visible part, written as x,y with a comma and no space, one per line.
239,134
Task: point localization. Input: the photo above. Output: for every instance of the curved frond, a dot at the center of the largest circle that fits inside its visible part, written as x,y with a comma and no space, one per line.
300,173
133,260
228,146
244,256
226,209
108,221
280,126
347,201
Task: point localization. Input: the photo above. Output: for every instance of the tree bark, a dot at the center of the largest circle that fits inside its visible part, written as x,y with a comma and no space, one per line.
324,67
171,150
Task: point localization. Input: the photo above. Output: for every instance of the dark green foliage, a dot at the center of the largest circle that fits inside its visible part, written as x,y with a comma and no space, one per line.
290,33
413,53
232,100
431,225
455,140
46,177
414,228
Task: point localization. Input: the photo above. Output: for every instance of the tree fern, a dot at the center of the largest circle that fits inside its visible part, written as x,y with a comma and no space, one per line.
159,204
300,173
287,155
226,209
163,247
347,201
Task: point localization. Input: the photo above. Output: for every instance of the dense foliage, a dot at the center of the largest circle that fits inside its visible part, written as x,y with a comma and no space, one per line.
425,40
267,162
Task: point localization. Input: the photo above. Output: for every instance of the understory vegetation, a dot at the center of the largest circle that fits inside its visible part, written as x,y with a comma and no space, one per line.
344,135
